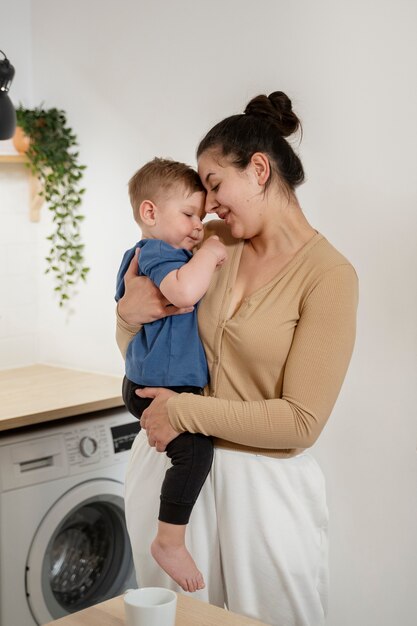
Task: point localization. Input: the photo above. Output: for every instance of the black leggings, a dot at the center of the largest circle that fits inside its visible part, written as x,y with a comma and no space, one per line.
191,457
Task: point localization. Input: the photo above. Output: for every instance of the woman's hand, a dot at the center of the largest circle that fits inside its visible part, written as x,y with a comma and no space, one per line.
143,302
155,419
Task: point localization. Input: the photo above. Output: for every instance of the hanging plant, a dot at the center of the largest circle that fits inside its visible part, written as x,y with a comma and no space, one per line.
53,159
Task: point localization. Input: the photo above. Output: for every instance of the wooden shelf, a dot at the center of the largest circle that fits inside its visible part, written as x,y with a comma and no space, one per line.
35,200
13,158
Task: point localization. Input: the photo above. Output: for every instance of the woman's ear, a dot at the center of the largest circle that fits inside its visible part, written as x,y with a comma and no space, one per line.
262,168
147,211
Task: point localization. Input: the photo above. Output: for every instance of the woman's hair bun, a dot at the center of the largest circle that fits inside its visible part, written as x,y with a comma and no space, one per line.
277,108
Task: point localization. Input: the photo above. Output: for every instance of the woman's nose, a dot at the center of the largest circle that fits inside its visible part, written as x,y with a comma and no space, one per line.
211,204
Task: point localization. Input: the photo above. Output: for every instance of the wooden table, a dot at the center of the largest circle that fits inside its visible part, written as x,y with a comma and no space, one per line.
190,612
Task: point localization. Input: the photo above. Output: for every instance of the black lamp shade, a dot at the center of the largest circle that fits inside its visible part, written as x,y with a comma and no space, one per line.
7,112
7,117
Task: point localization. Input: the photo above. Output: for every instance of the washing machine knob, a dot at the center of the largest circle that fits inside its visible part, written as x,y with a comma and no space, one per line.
88,446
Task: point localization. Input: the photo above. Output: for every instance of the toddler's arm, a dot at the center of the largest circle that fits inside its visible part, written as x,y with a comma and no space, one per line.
187,285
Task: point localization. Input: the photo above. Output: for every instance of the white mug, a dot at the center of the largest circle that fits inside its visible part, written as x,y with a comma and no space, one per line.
150,606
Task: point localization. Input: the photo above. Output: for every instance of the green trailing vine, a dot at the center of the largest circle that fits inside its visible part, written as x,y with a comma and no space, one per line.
53,159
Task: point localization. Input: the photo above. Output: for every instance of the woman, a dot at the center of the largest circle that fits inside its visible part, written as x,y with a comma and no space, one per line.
278,328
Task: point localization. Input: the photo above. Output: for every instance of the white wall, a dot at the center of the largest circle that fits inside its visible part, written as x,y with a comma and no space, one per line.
19,254
139,79
18,271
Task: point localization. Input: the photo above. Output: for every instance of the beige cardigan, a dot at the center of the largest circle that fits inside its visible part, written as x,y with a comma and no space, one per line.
276,367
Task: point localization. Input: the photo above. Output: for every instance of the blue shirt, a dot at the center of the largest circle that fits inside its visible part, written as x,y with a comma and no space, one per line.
166,352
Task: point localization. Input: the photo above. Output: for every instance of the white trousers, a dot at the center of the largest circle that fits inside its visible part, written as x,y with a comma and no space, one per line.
258,533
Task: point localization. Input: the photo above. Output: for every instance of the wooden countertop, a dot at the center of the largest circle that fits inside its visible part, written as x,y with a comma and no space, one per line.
190,612
41,393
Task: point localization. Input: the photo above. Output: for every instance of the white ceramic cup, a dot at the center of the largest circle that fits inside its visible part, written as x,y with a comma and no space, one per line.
150,606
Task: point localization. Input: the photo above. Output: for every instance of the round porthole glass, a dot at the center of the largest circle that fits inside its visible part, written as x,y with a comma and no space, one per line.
81,553
84,556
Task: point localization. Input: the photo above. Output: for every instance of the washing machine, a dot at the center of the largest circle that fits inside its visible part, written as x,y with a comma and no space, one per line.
63,539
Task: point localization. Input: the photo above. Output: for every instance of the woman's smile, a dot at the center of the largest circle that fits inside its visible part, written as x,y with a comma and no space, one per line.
223,214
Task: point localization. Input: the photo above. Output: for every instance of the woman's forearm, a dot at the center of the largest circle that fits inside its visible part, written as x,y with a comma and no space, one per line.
124,332
269,424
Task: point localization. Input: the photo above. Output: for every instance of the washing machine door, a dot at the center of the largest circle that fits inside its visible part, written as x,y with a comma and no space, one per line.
81,553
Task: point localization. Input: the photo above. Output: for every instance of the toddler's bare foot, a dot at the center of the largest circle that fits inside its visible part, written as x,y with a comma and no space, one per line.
178,563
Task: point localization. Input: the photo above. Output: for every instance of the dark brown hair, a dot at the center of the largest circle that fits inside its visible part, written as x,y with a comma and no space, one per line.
160,175
263,127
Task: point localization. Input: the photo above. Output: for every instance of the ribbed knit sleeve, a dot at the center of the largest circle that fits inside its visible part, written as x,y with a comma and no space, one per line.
313,374
124,333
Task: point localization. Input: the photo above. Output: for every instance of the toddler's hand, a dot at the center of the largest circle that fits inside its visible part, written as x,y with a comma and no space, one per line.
215,246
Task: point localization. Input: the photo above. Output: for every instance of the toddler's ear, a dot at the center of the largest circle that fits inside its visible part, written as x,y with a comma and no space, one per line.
147,212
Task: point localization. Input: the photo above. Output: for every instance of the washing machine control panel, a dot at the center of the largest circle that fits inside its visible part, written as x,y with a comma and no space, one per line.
95,442
87,443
